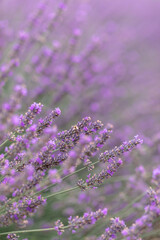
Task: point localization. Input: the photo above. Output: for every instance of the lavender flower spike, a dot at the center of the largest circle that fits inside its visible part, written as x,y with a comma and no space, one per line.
87,219
27,119
110,233
12,236
118,151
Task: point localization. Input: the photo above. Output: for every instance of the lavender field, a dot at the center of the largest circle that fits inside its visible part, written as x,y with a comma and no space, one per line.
79,120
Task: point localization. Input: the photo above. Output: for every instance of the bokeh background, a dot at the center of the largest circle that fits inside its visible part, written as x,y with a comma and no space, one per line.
100,59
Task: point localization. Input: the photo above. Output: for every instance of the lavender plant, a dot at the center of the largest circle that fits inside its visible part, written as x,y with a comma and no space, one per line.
60,176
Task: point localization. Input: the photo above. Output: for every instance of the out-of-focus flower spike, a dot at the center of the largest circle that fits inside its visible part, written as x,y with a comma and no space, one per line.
33,20
12,236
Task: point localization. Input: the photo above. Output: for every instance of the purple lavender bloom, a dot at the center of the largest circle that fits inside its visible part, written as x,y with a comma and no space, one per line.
12,236
87,219
27,119
110,233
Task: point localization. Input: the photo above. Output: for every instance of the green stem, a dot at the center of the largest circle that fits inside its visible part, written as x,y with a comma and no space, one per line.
65,191
68,190
119,178
129,205
2,144
76,187
33,230
69,175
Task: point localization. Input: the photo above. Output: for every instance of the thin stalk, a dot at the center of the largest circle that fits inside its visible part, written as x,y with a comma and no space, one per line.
69,175
65,227
2,144
61,192
120,213
79,170
33,230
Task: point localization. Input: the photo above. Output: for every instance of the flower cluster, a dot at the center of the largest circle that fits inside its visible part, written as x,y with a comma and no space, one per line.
87,219
151,214
117,226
